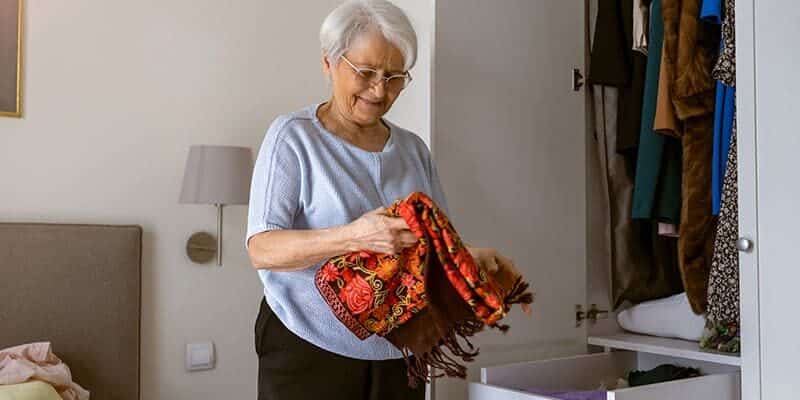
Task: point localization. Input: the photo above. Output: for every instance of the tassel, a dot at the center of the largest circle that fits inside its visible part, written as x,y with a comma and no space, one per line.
502,327
418,369
518,294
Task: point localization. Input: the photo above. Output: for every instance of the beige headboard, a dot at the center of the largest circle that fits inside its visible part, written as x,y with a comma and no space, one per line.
79,287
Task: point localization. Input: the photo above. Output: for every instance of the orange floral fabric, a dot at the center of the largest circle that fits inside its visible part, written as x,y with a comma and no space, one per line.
379,292
436,280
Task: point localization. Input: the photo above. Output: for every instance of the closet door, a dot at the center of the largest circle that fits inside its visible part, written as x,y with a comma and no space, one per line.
777,138
748,199
509,140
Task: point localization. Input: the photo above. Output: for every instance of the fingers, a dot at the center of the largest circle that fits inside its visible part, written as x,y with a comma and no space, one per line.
397,223
503,259
402,240
388,249
506,263
393,241
388,234
380,210
490,265
392,222
407,238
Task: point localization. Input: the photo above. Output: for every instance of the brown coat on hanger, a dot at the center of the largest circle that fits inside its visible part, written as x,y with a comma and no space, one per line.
692,93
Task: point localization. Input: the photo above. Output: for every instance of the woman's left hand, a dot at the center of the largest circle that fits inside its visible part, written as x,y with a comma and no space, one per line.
486,258
492,262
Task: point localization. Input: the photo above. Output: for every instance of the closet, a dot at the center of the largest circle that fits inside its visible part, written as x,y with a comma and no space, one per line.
514,144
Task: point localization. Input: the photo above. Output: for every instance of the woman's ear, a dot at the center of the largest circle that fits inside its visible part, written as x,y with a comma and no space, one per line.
327,67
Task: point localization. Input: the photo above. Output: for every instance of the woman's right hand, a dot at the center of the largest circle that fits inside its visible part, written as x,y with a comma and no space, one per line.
375,231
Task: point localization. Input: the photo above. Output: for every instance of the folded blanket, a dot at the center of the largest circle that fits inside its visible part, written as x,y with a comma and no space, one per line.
36,361
423,299
669,317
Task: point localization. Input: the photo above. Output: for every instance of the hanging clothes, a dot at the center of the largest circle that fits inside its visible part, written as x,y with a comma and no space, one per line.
650,162
725,68
642,266
722,327
725,73
641,22
630,93
711,12
657,194
609,58
722,331
723,125
666,123
693,99
668,193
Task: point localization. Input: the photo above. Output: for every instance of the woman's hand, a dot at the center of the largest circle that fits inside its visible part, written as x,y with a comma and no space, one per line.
491,261
494,264
486,258
377,232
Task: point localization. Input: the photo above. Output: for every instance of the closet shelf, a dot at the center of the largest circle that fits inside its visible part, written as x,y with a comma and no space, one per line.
664,346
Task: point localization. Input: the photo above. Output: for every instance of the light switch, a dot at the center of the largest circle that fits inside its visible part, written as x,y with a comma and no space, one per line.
199,356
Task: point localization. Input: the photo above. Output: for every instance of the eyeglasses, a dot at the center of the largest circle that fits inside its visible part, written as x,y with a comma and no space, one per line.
393,83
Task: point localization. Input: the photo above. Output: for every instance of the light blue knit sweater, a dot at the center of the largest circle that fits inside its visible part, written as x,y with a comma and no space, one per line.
306,177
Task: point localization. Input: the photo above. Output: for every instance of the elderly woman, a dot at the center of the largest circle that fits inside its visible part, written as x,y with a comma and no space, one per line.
321,181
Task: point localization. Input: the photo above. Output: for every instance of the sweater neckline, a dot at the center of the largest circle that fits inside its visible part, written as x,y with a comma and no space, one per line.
386,147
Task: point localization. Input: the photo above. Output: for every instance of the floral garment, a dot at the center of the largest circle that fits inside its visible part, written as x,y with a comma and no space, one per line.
424,297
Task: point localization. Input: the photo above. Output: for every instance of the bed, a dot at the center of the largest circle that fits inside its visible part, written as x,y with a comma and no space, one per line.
78,287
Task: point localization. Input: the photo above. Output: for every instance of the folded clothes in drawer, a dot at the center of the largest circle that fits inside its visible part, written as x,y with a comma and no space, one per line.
662,373
597,376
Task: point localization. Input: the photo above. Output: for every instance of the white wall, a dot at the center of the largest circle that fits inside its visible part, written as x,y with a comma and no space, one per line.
413,109
114,94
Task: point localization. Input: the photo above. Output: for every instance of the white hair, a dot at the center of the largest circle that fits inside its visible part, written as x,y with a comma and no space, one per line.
355,17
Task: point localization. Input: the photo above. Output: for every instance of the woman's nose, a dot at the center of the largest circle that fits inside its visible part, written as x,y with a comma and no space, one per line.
379,88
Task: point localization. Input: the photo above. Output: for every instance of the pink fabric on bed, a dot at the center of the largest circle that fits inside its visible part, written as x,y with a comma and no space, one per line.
36,361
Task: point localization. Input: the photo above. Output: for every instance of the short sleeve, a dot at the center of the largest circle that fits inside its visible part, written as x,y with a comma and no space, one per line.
275,188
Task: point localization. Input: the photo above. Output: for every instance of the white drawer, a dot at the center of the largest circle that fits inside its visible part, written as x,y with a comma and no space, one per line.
588,372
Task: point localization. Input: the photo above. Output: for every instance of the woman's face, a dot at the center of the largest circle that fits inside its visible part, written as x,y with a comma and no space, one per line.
356,99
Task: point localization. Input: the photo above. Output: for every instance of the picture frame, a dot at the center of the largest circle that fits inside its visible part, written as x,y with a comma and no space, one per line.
11,58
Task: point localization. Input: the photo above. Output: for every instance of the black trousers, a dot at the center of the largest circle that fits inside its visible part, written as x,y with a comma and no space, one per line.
290,368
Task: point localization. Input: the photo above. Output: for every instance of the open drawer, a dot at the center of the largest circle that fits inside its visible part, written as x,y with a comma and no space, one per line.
589,372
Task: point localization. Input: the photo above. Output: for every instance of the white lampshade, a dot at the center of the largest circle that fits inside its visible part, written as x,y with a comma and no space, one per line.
217,175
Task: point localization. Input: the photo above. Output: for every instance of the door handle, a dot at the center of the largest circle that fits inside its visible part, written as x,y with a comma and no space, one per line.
744,245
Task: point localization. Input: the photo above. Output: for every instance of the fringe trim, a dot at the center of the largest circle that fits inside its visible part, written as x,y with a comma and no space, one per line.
517,295
418,366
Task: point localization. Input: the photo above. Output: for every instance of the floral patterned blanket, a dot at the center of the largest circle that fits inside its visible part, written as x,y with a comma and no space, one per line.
424,298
